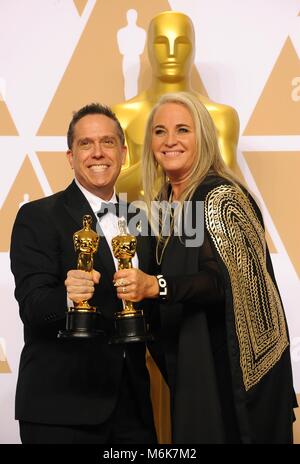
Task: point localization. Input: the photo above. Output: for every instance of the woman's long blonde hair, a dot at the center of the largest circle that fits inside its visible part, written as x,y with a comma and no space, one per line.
207,158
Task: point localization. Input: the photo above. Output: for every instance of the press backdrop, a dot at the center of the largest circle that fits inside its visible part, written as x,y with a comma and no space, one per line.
57,55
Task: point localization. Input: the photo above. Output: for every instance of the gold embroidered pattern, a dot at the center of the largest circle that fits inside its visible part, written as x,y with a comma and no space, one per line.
259,318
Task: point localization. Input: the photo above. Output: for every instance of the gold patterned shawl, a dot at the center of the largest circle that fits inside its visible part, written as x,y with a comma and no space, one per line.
259,319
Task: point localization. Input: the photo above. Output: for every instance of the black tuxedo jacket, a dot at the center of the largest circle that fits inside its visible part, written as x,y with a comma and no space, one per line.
68,381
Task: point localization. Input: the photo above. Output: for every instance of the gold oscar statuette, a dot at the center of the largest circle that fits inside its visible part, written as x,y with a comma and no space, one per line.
130,325
81,318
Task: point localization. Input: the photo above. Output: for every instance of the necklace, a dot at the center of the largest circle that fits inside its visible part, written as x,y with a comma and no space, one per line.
162,242
160,249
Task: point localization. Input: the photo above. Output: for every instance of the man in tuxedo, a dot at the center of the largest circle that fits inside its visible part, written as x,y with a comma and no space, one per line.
79,390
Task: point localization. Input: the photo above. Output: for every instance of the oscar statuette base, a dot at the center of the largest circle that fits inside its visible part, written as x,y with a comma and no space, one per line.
80,324
130,328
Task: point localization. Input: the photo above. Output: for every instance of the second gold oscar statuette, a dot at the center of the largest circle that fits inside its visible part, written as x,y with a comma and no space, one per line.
130,325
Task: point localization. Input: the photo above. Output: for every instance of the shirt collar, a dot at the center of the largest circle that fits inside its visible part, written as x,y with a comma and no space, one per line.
94,201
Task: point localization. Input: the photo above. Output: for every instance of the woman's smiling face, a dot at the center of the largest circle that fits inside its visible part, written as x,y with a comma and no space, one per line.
174,140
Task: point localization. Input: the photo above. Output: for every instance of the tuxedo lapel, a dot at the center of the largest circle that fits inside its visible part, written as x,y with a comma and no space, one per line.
142,246
77,205
105,255
142,252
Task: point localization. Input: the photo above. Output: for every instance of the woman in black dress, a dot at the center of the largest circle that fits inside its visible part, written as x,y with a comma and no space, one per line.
223,333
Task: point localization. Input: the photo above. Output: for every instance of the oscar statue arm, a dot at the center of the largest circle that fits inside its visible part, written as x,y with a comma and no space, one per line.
129,180
133,115
227,123
125,113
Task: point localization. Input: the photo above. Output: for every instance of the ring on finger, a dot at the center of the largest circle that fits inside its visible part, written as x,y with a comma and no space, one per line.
124,290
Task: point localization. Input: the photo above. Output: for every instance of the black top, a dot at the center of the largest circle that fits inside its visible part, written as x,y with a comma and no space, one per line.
223,328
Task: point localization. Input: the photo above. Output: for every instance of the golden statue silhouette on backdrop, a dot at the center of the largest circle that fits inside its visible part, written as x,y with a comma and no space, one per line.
171,49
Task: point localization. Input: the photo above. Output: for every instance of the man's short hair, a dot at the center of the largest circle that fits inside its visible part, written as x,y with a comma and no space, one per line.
93,108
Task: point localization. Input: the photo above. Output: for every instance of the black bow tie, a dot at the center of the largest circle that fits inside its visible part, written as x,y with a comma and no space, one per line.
108,207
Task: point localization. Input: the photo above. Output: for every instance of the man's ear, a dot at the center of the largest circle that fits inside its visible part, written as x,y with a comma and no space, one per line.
124,153
69,154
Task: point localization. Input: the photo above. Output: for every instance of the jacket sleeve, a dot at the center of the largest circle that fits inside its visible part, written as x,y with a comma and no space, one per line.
205,287
35,263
